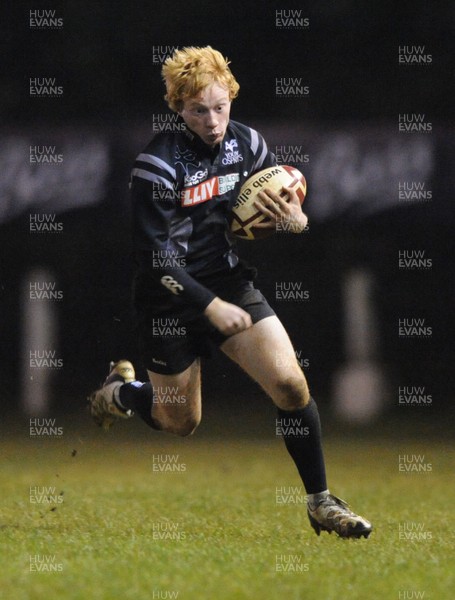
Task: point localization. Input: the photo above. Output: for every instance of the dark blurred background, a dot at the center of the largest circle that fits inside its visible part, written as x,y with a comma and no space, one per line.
343,135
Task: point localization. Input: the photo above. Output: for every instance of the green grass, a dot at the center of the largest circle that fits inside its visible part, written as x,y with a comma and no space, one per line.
232,528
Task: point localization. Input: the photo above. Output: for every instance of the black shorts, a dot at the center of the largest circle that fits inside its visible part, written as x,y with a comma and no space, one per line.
172,335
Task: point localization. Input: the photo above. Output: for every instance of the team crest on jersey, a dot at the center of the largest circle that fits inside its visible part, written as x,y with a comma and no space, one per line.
232,155
206,190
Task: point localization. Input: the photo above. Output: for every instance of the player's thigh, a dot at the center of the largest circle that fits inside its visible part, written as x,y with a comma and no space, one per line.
177,398
265,352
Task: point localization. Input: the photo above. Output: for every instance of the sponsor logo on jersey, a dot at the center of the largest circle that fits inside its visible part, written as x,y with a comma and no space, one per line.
172,285
232,156
195,178
206,190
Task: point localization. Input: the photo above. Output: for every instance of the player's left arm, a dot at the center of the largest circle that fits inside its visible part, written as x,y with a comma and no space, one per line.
277,209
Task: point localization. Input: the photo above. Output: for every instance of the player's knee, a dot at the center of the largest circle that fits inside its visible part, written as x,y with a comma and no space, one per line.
292,392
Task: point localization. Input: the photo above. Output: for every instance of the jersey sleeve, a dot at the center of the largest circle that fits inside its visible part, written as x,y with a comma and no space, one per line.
160,233
263,157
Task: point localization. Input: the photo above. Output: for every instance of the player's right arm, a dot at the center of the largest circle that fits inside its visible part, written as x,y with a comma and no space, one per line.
226,317
161,239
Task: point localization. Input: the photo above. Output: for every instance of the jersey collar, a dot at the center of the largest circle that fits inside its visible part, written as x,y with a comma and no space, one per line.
201,146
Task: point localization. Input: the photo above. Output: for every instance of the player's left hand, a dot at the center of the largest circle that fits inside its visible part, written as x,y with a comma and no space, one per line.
287,212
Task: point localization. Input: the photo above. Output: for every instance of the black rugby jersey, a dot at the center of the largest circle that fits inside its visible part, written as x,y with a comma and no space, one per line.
182,192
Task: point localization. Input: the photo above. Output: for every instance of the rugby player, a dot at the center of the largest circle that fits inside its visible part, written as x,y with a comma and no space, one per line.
191,290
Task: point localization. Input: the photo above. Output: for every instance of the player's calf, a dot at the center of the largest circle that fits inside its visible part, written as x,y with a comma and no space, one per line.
182,427
177,400
179,414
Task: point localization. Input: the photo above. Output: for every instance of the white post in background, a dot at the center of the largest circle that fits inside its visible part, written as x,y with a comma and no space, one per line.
38,343
359,386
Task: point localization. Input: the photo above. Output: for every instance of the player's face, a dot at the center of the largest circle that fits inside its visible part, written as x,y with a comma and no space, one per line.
207,114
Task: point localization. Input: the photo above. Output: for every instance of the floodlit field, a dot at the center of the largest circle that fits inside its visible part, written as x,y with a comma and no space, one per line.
90,517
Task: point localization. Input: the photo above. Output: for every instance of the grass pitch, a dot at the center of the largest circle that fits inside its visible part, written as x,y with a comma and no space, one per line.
212,527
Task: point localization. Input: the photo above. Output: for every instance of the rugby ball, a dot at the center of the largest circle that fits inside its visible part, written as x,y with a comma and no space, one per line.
245,216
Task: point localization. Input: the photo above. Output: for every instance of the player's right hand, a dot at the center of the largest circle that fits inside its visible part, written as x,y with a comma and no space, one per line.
227,318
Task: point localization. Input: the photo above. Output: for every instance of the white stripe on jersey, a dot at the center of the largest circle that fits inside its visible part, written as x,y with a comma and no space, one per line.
152,177
260,160
157,162
254,140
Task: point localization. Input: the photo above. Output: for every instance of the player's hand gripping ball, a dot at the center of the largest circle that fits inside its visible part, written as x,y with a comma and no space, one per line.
246,216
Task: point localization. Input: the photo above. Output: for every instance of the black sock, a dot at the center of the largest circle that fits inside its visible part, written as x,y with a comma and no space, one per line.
301,430
138,397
